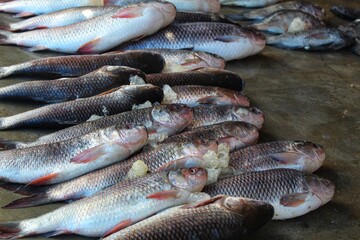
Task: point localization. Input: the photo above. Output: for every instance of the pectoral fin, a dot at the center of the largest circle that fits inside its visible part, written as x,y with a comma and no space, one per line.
294,200
287,158
44,179
130,12
89,46
227,38
167,194
23,14
118,227
89,155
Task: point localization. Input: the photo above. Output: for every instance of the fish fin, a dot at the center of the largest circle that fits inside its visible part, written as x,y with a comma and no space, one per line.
227,38
8,144
9,230
130,12
187,48
89,46
118,227
203,203
36,48
166,194
24,189
294,200
4,37
89,155
31,201
189,62
235,17
108,91
318,36
23,14
138,38
185,162
56,233
4,26
44,179
209,99
13,187
286,158
40,27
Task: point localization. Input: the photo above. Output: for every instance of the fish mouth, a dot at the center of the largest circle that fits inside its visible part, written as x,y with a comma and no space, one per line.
314,152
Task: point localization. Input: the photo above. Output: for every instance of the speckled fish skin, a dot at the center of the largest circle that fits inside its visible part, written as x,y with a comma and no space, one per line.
299,155
221,217
61,161
197,95
78,65
287,21
236,134
186,17
346,12
168,119
352,30
228,41
323,38
205,77
249,3
208,115
98,34
93,182
59,18
80,110
27,8
96,82
125,203
292,193
259,14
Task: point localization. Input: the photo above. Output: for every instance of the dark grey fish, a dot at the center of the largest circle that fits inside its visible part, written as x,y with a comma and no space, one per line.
249,3
323,38
186,17
346,12
352,30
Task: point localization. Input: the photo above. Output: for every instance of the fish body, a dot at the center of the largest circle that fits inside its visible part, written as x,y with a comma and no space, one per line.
299,155
77,111
249,3
208,115
288,21
57,162
346,12
245,134
26,8
66,89
205,77
116,207
323,38
98,34
221,217
196,95
78,65
292,193
228,41
186,17
261,13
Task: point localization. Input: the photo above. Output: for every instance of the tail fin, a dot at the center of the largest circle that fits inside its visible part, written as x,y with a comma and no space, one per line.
8,144
4,26
235,17
25,202
4,37
9,230
23,189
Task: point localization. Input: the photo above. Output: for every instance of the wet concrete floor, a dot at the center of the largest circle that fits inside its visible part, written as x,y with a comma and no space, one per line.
310,96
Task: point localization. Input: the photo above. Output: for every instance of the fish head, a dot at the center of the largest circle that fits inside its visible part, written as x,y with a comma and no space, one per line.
134,136
171,118
313,9
320,187
250,115
257,39
190,179
239,134
202,59
312,155
166,10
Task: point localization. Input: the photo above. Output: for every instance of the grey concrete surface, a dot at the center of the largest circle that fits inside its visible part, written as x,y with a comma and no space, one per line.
311,96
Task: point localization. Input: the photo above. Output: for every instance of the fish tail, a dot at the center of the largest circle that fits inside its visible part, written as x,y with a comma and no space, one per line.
23,189
8,144
4,26
4,37
9,230
235,17
34,200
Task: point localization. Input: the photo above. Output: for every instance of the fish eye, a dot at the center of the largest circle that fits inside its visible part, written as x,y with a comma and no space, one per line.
193,171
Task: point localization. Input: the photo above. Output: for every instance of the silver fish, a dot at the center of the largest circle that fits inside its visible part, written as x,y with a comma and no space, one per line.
114,208
98,34
228,41
249,3
292,193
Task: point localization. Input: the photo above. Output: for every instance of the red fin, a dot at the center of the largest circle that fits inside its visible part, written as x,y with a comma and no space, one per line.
88,155
131,12
44,179
41,27
118,227
89,46
294,200
9,230
167,194
190,62
23,14
205,202
37,48
287,158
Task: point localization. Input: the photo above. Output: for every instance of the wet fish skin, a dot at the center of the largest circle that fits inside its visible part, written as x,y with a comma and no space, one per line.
292,193
60,90
228,41
223,217
78,65
205,77
78,111
287,21
323,38
208,115
249,3
186,17
125,203
244,133
346,12
98,34
61,161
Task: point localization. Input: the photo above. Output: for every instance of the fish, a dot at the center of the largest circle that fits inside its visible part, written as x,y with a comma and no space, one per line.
249,3
261,13
77,111
196,95
181,5
186,17
160,119
97,34
221,217
288,21
26,8
322,38
246,134
66,89
61,161
58,19
204,76
352,30
300,155
228,41
78,65
345,12
164,157
292,193
208,115
114,208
